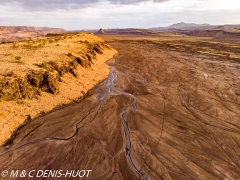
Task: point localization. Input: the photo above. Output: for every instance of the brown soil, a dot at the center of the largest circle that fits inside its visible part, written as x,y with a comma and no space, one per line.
184,123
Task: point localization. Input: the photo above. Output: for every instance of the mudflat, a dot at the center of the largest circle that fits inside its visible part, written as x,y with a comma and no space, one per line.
169,110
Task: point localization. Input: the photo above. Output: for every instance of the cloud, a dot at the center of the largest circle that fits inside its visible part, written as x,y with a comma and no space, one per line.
42,5
216,5
48,4
134,1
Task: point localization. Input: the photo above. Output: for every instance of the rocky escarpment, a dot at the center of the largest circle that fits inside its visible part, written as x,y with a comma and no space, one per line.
29,87
40,74
47,77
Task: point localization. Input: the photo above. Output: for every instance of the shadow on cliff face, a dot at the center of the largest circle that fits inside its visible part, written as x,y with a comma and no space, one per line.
47,78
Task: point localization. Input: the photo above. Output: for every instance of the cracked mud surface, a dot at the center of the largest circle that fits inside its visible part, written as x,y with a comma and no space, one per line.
162,114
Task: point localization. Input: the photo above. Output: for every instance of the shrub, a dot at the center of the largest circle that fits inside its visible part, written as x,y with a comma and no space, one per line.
14,45
52,63
18,58
69,54
27,46
44,65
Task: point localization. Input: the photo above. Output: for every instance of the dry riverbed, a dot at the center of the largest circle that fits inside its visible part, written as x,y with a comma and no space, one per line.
169,110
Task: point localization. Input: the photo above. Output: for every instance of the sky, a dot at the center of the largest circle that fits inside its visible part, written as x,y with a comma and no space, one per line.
96,14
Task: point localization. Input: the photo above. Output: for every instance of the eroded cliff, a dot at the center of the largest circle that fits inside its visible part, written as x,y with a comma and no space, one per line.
36,75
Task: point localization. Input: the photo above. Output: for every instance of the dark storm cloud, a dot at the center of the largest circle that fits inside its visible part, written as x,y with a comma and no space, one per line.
66,4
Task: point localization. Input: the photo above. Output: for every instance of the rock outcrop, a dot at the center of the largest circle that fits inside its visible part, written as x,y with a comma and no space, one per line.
39,74
101,31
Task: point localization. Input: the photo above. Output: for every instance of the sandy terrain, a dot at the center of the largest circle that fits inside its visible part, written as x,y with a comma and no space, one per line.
38,75
169,110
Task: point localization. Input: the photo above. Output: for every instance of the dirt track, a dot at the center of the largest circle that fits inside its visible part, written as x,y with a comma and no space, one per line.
180,109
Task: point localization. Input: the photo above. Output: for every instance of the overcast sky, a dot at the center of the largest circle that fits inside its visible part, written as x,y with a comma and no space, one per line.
95,14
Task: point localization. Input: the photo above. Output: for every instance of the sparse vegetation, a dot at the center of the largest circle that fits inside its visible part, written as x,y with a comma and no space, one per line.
52,63
43,42
44,65
14,45
42,69
27,46
35,88
69,54
18,58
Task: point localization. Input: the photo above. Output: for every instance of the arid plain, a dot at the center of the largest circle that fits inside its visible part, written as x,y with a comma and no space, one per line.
170,109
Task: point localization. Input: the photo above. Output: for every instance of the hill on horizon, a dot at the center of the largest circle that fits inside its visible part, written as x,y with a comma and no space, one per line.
193,26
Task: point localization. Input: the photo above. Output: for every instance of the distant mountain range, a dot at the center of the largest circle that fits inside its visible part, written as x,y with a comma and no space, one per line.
193,26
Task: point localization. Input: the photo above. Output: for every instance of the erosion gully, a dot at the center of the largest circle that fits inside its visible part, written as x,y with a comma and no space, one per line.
103,93
161,114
